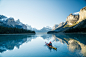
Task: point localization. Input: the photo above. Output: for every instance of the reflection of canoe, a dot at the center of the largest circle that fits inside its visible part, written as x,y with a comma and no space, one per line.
51,46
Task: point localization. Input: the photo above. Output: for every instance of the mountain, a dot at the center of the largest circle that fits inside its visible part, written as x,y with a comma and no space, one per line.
21,24
2,17
10,26
18,22
44,29
34,29
57,26
74,23
59,29
10,22
29,27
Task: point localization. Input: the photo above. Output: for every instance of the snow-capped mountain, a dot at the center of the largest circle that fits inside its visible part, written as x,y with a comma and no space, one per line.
29,27
2,16
10,22
18,22
21,24
44,29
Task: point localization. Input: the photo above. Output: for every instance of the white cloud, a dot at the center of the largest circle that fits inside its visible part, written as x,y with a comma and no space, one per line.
76,13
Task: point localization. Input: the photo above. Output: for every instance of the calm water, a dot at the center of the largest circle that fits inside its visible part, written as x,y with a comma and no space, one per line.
69,45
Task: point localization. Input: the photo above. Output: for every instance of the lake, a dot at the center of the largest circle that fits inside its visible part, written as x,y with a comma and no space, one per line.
68,45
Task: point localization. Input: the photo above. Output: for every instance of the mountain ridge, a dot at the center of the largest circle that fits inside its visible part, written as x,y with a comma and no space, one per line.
73,22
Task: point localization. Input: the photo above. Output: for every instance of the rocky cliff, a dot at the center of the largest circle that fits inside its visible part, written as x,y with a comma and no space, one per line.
55,26
58,25
71,19
82,14
10,22
73,23
59,29
2,16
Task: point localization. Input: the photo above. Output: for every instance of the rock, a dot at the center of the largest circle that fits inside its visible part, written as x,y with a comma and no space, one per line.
71,19
57,26
11,22
74,23
82,14
2,16
59,29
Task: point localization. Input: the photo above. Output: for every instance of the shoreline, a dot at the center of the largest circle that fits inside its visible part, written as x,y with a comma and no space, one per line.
67,33
20,34
76,33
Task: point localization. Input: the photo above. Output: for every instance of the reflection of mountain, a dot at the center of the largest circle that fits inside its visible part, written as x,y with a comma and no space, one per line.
58,37
46,36
75,42
8,42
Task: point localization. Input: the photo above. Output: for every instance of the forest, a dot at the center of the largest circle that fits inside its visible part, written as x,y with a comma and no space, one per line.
6,30
75,30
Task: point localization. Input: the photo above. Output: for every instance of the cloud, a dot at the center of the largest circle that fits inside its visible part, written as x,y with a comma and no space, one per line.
76,13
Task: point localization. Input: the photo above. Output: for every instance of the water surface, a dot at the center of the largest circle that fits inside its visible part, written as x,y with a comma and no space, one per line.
68,45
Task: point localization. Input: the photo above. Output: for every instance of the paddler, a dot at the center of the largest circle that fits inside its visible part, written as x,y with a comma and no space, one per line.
50,44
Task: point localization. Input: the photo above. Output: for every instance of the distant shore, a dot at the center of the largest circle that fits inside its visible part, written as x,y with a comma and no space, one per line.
20,34
69,33
76,33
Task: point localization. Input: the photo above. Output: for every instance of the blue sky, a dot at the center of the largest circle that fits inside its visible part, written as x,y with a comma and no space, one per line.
40,13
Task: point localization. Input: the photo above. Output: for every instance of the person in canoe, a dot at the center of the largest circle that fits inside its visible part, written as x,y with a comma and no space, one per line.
50,44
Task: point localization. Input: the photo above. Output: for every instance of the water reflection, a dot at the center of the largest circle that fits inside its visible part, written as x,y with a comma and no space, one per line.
75,42
8,42
69,45
46,36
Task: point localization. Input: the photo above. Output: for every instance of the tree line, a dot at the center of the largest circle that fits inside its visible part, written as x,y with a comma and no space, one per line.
6,30
76,30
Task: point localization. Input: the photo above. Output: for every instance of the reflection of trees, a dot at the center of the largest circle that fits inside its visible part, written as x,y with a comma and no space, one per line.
74,42
8,42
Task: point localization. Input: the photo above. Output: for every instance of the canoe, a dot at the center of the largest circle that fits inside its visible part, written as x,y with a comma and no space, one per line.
50,46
